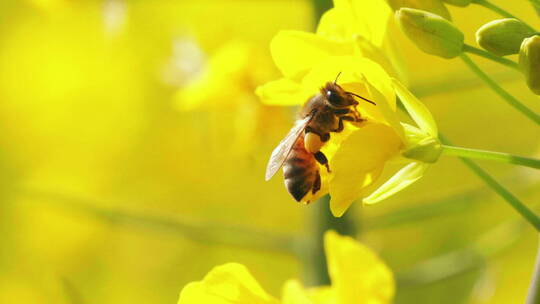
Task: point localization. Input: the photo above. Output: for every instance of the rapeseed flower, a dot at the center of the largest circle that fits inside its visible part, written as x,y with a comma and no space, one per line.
358,155
358,276
217,67
225,85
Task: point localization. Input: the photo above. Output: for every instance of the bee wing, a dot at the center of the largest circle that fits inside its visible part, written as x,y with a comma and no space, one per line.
280,153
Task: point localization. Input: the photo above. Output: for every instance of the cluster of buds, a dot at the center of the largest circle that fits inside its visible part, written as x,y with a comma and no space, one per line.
438,36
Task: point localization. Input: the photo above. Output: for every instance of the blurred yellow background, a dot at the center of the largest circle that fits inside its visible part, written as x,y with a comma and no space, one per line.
133,151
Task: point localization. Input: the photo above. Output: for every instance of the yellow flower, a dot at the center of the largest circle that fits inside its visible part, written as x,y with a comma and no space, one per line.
218,66
349,28
358,276
226,86
357,155
226,78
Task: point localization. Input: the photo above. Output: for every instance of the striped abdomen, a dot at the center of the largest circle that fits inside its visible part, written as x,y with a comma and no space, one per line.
301,171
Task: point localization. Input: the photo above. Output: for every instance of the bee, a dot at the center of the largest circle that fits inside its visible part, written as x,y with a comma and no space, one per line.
300,151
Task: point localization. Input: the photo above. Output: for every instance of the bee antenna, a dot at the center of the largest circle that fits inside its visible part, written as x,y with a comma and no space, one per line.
337,77
363,98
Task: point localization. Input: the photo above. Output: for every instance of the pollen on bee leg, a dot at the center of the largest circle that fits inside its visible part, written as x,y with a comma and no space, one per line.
313,142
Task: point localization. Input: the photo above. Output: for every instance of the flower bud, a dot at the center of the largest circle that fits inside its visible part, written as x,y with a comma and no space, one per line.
503,36
427,150
461,3
529,61
431,33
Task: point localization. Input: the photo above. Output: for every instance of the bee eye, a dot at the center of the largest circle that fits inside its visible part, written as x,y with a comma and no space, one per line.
328,93
333,98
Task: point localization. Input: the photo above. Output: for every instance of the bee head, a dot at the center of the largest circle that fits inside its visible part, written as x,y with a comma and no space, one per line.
336,96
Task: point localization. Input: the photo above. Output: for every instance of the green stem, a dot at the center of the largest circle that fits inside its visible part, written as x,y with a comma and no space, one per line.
536,6
511,100
521,208
489,155
534,290
319,7
461,261
203,232
504,61
456,82
499,11
321,220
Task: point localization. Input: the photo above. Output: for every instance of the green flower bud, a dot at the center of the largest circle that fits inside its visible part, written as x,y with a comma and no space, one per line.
431,33
461,3
529,60
427,150
503,36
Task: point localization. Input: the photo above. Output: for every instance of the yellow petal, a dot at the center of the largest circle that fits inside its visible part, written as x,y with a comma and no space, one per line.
323,295
380,55
368,18
358,275
335,25
380,80
295,52
416,109
366,24
294,293
402,179
358,163
194,293
223,79
282,92
390,116
228,283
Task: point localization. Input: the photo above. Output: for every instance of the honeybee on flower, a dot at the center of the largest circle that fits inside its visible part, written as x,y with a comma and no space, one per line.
300,150
357,154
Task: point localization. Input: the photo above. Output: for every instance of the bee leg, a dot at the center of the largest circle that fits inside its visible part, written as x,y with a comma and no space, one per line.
342,111
321,158
325,137
317,183
355,118
340,125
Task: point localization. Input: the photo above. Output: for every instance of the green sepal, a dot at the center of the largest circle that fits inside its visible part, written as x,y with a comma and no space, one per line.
427,150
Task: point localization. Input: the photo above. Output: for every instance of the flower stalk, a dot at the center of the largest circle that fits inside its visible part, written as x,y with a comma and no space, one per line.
536,6
479,52
521,208
499,10
321,220
490,155
511,100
